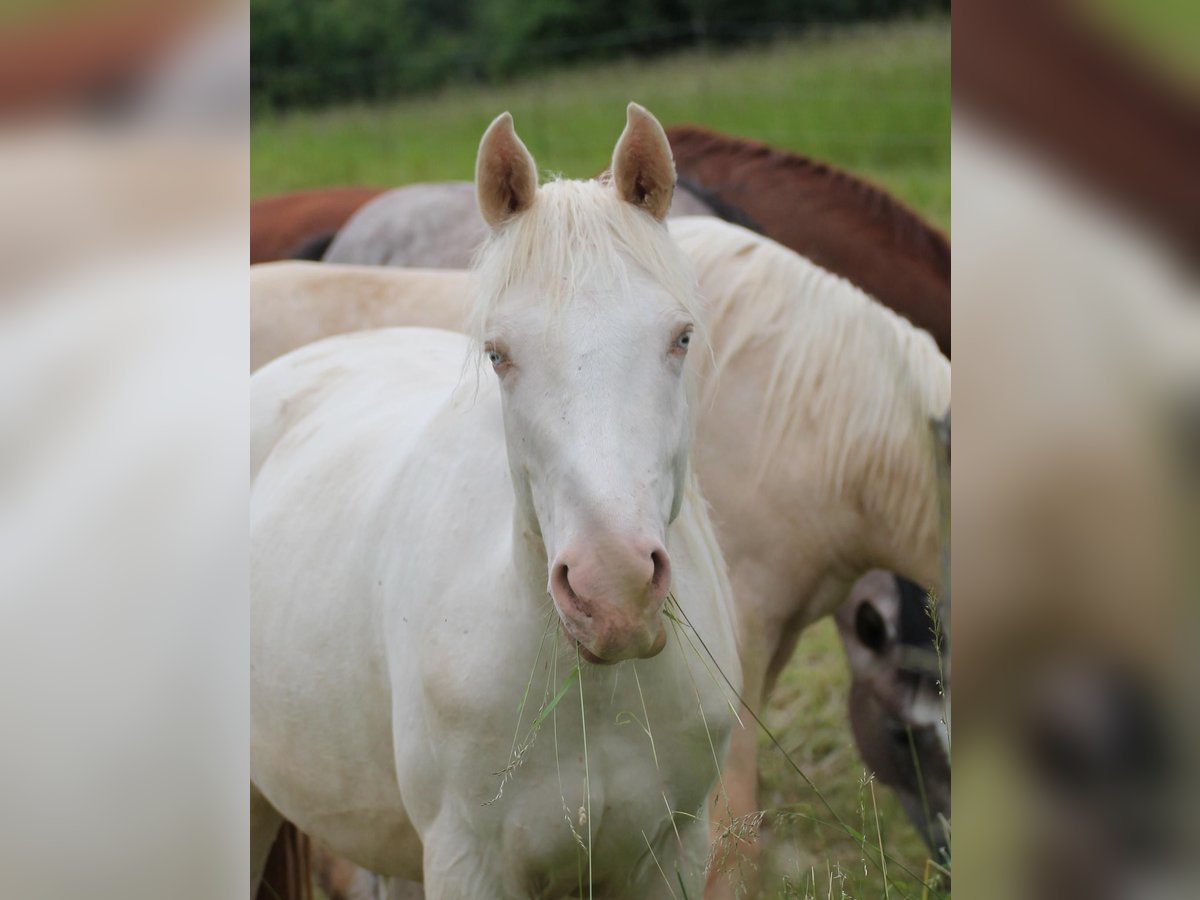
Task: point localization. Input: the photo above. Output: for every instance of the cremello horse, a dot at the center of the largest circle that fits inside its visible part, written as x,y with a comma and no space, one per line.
431,548
813,444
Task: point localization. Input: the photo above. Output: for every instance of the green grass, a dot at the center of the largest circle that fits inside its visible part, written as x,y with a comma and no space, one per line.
808,714
875,99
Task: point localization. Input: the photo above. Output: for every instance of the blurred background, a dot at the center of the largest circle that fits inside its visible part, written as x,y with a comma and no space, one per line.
385,92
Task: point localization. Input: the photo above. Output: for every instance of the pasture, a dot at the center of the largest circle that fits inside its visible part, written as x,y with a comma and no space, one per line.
873,99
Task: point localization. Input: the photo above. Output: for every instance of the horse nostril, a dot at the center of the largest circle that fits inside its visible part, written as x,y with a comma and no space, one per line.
561,585
560,579
660,581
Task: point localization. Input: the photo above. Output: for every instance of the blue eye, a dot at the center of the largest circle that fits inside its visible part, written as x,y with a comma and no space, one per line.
496,357
683,340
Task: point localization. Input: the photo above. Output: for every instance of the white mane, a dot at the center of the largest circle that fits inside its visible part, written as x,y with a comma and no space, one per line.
574,231
835,356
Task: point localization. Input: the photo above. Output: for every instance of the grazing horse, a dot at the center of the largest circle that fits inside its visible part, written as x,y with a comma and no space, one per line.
813,444
434,226
432,547
815,450
897,711
300,224
837,220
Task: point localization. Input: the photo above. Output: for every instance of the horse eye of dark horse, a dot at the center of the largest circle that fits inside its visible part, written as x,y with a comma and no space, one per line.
870,627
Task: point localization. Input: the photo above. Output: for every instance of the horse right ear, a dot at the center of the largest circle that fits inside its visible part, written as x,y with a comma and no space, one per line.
506,178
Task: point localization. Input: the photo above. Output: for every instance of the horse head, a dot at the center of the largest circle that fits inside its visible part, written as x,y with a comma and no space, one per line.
586,310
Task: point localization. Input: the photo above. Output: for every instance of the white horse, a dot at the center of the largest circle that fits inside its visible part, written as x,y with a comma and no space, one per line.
813,440
430,550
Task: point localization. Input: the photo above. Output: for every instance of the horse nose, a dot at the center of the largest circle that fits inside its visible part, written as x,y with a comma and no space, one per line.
638,574
610,594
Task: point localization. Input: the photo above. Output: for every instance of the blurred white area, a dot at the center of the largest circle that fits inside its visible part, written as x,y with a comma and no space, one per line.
1084,336
122,537
1078,340
123,484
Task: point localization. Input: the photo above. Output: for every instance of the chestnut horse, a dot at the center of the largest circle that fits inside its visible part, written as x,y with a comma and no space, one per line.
300,224
839,221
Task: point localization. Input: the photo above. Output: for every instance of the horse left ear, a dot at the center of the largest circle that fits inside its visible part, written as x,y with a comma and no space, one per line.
506,179
643,168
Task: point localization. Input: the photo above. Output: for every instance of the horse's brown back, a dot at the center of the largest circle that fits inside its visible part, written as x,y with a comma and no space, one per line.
840,222
281,223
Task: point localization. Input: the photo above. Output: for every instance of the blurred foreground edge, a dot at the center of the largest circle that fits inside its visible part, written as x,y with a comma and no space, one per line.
1077,234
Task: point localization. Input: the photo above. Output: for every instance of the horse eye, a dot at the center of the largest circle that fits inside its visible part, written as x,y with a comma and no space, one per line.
495,356
683,340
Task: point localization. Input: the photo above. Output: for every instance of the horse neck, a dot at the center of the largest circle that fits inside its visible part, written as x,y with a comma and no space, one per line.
859,384
846,225
705,159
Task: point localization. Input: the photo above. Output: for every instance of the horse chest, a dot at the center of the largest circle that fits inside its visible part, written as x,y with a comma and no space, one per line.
621,771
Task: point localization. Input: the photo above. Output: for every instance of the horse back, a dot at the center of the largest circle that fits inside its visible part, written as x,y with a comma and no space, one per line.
840,222
283,224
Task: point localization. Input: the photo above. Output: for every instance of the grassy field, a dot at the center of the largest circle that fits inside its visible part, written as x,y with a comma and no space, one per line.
874,99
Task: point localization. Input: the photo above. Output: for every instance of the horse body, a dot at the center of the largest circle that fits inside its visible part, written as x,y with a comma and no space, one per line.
381,440
297,303
283,224
433,226
814,450
406,522
381,233
813,445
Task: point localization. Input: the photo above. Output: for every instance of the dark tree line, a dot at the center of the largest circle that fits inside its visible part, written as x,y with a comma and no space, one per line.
317,52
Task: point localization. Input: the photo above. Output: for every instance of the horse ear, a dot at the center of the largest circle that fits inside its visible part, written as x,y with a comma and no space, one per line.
643,168
506,178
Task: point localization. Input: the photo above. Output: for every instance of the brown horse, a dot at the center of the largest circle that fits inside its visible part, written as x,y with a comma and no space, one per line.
300,224
835,219
88,59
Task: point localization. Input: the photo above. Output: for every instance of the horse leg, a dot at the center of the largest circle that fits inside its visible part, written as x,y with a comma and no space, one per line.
341,879
676,864
733,807
456,869
265,821
399,889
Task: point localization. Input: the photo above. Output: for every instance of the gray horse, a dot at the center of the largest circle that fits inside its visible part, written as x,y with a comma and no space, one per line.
436,226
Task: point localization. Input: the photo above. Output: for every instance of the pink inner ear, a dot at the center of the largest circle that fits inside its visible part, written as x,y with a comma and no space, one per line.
511,202
644,177
644,187
508,180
